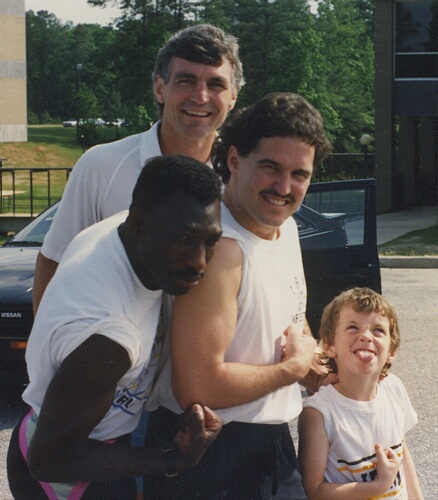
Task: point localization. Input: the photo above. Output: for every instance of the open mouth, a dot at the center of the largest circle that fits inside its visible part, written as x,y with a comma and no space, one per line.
188,281
365,355
278,202
198,114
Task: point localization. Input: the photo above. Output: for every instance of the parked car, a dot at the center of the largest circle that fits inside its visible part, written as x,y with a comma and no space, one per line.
17,267
114,123
320,230
99,122
70,123
337,228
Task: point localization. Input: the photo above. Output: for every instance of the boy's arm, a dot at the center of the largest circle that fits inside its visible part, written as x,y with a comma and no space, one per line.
312,456
412,482
203,327
79,396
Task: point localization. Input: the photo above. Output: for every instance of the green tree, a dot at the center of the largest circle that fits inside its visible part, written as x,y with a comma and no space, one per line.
48,45
348,52
327,57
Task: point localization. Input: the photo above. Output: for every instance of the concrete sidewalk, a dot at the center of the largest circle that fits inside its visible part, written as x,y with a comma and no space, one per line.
395,224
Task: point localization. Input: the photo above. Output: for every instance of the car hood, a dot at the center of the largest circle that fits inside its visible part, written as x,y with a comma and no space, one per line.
17,269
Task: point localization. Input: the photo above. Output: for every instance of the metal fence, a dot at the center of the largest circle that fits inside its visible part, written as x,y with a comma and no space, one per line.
345,166
28,191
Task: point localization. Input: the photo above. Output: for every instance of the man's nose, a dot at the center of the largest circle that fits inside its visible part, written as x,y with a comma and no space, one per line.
283,184
198,258
200,94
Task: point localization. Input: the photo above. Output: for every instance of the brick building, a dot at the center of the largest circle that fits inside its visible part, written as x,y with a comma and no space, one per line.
406,103
13,105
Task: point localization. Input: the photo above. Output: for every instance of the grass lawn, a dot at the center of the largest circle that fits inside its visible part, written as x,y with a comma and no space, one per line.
47,146
420,242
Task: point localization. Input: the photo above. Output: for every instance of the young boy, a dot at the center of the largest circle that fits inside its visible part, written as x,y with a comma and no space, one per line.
341,424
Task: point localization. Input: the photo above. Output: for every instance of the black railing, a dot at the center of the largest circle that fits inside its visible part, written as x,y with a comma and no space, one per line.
28,191
346,166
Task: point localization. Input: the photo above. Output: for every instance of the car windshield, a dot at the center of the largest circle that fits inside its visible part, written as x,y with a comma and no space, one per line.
33,234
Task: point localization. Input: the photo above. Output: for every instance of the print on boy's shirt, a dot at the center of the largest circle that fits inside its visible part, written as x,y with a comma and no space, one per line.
364,470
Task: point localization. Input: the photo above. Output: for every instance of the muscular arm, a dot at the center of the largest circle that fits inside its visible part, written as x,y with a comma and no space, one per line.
312,456
203,327
44,270
77,399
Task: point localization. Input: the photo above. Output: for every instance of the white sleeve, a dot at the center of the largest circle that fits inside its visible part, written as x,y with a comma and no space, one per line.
399,393
79,206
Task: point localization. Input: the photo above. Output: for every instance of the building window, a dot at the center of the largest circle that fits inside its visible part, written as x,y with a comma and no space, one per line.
416,40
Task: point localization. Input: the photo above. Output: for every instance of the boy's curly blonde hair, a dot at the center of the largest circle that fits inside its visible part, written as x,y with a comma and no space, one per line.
361,300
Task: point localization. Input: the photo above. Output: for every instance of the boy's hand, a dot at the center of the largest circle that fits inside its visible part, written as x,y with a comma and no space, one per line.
198,428
387,465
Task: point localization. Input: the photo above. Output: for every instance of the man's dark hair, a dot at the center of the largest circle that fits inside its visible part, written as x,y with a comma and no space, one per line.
164,176
201,43
275,115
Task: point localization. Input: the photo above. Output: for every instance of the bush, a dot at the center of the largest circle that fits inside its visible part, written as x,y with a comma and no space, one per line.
89,135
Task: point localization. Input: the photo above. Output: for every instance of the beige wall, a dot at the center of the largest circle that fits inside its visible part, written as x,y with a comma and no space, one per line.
13,105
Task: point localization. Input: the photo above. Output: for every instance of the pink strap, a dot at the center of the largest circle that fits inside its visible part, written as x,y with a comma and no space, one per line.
77,489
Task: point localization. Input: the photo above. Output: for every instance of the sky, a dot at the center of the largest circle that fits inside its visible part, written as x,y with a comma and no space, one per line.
77,11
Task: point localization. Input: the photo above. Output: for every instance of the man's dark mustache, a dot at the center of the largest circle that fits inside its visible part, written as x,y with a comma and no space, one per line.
272,192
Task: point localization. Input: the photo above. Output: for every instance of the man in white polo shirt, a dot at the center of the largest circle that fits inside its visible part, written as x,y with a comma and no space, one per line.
196,80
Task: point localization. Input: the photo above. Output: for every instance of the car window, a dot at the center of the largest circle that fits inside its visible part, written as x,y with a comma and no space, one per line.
346,204
34,233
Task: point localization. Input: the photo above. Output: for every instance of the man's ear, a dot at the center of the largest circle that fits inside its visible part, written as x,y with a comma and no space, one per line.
233,100
159,89
136,221
233,160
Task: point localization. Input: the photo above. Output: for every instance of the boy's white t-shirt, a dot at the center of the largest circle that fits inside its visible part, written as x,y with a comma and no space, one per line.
354,427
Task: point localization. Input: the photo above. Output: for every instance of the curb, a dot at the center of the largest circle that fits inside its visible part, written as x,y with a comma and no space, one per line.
407,262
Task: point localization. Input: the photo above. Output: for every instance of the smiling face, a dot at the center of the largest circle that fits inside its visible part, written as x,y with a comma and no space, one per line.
196,99
267,186
174,245
362,343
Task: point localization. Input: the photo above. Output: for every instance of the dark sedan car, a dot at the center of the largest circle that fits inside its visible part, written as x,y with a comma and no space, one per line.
17,266
337,228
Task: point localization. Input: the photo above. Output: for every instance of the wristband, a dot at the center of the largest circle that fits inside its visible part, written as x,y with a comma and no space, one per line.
170,462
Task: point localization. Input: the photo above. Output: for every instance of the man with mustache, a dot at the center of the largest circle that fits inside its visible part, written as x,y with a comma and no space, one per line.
196,80
228,346
94,348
